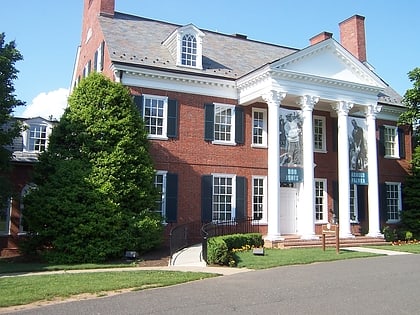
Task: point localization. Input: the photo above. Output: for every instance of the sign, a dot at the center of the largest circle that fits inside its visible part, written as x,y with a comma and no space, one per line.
291,174
359,178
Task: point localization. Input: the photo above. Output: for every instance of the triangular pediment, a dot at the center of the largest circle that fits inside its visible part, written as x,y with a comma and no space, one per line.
329,60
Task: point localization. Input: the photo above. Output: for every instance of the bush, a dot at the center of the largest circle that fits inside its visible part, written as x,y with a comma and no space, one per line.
220,248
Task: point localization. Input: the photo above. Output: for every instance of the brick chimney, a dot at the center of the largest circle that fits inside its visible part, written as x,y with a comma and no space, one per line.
320,37
352,36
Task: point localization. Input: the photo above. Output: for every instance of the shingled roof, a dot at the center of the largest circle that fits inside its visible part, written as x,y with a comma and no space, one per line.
138,41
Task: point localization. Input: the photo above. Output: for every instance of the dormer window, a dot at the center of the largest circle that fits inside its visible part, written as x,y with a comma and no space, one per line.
185,45
37,138
189,50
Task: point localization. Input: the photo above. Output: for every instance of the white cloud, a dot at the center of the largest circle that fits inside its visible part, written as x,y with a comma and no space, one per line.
47,104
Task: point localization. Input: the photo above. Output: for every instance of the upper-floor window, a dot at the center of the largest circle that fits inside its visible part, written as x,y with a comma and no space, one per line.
224,124
37,138
392,142
189,50
160,115
393,201
321,214
319,134
259,127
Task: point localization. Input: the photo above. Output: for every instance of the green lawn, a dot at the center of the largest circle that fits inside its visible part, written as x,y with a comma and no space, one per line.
293,256
27,289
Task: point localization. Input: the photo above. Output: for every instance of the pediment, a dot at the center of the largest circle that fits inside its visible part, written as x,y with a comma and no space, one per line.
328,60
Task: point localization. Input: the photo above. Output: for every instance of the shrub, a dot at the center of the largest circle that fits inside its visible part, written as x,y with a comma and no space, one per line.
217,251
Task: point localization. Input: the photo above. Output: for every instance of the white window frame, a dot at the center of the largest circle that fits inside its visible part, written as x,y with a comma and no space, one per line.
323,148
263,219
164,118
218,107
162,201
398,205
263,111
189,49
233,197
32,129
396,151
8,212
354,204
324,198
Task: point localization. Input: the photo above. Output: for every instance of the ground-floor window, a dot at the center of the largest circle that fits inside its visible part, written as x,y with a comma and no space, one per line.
259,198
354,218
5,210
321,214
393,201
223,201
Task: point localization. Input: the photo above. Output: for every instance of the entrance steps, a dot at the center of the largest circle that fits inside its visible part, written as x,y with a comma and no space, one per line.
294,241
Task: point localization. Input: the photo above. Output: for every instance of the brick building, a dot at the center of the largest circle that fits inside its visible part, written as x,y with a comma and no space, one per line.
293,138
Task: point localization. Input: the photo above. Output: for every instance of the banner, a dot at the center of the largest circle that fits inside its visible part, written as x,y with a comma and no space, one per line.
358,157
291,146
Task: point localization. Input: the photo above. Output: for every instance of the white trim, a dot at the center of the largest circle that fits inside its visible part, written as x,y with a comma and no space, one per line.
233,199
163,209
396,152
232,124
263,220
264,128
324,200
398,184
164,135
324,134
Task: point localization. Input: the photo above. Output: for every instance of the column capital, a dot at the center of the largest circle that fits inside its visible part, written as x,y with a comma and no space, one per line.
342,107
372,110
307,102
274,97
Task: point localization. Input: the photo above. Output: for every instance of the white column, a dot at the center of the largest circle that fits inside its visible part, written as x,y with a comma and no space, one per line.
373,189
273,99
306,213
342,109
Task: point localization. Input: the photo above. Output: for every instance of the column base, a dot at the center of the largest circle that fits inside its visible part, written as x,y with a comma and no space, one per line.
309,237
375,234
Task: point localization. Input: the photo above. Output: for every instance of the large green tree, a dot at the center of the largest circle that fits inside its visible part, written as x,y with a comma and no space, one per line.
95,191
9,128
410,216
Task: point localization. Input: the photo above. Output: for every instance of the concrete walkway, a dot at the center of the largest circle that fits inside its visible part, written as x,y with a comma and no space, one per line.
190,256
375,251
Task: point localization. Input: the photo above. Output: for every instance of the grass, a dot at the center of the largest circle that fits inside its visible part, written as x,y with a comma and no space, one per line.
293,256
410,248
27,289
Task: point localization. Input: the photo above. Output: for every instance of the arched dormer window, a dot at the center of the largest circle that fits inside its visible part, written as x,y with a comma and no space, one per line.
186,46
189,50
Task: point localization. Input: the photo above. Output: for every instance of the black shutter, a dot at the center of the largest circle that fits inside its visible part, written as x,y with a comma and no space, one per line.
209,122
102,56
171,197
383,206
401,143
95,61
206,198
335,200
138,101
361,202
239,125
172,127
241,197
382,140
334,127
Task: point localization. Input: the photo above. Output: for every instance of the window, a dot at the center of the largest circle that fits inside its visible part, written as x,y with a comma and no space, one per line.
259,127
319,134
223,202
391,141
321,214
354,218
37,138
258,199
189,50
224,124
393,201
167,204
5,209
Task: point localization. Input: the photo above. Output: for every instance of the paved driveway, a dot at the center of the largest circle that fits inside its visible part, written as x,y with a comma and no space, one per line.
379,285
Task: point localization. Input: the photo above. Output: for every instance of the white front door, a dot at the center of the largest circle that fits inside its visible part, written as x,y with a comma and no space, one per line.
288,210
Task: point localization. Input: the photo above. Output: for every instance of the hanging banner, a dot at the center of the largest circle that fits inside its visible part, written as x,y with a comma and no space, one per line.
358,157
291,147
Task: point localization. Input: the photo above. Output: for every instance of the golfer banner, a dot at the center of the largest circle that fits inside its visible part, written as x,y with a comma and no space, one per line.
358,157
291,149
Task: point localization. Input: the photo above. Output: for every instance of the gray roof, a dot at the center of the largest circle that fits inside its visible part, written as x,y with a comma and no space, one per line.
138,41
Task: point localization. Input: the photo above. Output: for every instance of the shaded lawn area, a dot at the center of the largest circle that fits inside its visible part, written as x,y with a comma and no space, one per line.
293,256
409,248
20,290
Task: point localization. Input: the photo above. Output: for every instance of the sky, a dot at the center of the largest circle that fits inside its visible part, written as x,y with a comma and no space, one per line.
47,33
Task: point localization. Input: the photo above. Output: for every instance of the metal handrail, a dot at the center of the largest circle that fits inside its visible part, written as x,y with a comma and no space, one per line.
184,235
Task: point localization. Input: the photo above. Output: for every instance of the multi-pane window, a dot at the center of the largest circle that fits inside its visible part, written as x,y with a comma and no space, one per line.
224,123
223,201
319,134
258,198
391,141
259,127
353,204
189,50
37,138
160,184
321,214
154,114
393,201
5,208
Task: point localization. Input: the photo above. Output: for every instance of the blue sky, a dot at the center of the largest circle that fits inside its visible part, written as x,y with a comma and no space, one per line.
47,33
